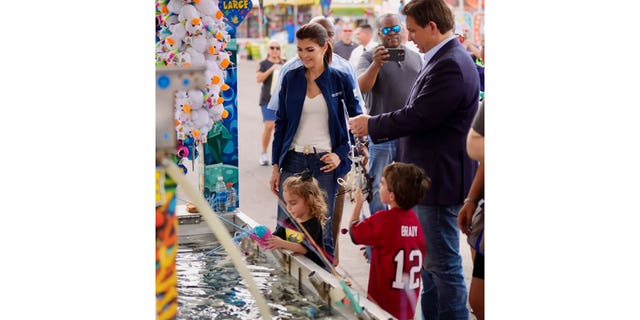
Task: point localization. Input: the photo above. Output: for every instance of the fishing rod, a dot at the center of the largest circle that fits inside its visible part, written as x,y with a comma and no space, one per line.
358,177
316,248
353,301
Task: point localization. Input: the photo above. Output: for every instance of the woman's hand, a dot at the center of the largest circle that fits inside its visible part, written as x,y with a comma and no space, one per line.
332,161
275,180
465,215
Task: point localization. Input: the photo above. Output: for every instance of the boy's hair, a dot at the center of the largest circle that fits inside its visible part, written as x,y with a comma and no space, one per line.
408,182
307,187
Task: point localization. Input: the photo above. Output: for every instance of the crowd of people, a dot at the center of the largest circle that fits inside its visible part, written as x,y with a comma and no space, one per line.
414,115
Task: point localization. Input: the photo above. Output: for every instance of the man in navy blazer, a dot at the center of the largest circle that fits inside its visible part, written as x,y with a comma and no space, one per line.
431,129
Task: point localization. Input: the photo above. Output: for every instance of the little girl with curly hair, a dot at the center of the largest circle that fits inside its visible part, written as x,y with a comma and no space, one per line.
305,202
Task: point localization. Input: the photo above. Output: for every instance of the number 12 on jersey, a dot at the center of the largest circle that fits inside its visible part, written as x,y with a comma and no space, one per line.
415,259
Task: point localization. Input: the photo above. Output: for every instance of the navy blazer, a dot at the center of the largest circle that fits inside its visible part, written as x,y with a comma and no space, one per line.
433,124
336,88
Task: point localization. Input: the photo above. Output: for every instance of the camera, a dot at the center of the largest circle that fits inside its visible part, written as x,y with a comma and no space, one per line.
395,54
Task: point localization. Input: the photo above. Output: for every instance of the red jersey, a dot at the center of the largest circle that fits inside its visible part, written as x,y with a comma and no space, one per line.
397,253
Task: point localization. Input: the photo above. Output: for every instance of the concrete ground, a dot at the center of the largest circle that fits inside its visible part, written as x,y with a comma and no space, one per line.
256,199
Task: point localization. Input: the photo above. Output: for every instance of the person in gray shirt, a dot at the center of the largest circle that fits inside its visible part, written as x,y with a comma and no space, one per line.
385,86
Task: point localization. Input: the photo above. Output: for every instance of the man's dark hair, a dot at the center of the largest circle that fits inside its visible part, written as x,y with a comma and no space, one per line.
366,26
423,11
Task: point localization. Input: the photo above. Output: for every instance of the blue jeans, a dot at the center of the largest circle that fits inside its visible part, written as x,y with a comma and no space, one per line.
295,162
380,155
444,293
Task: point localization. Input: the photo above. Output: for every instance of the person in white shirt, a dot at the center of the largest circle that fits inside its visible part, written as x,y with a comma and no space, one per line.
364,35
404,38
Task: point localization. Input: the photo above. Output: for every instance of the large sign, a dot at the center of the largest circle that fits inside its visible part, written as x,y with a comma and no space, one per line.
235,10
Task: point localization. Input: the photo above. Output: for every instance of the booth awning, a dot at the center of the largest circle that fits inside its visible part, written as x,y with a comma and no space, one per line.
353,11
288,2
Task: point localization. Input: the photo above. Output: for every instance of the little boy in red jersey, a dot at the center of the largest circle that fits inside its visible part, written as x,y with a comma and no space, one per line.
396,238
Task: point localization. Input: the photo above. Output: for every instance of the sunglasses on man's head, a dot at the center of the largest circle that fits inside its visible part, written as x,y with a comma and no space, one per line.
274,48
387,30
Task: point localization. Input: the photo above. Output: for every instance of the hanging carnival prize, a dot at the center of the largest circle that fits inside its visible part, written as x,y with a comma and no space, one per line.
235,10
194,35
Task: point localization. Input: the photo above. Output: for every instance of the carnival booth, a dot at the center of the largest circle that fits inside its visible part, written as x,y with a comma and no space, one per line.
204,242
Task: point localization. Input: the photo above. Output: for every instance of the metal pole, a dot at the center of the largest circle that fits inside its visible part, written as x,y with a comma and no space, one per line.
260,23
295,17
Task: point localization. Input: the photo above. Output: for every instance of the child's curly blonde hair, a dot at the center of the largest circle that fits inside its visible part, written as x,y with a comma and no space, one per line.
306,187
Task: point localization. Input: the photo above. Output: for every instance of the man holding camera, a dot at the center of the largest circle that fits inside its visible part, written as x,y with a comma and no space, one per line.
385,77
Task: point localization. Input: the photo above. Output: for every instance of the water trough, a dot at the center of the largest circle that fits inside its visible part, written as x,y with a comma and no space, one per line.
310,279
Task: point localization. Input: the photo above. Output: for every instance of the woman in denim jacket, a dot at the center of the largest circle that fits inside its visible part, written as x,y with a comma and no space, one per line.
311,130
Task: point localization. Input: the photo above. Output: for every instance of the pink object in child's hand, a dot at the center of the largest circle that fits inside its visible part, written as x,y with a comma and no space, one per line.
260,234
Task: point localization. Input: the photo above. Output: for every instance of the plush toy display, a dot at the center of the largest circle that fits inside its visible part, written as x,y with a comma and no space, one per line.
193,33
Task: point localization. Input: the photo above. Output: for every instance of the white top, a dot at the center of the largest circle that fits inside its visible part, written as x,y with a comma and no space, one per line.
357,52
313,129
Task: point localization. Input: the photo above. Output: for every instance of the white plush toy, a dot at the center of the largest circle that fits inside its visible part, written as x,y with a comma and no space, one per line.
214,99
196,98
182,103
188,12
199,117
184,59
223,59
198,42
174,6
215,46
182,115
208,23
193,25
197,58
169,58
213,74
206,7
178,31
216,111
172,44
193,33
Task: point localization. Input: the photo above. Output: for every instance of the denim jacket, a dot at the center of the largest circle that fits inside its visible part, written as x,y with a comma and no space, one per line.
338,92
